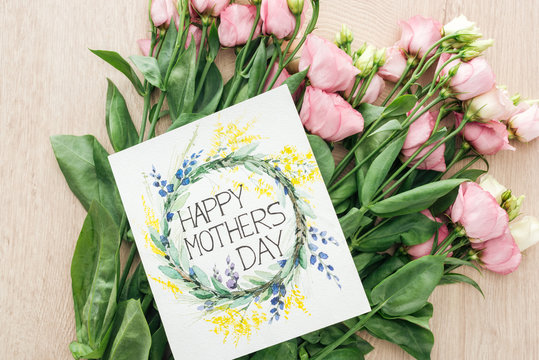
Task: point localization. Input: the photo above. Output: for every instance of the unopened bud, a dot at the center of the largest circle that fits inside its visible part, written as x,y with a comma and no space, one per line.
295,6
506,196
365,62
516,98
475,49
380,57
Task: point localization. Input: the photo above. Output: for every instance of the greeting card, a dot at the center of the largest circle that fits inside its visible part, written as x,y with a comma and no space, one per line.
236,231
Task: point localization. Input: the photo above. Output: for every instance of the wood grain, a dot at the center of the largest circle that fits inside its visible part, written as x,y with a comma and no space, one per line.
51,84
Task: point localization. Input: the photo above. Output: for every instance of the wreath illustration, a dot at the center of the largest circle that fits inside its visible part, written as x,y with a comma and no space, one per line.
211,291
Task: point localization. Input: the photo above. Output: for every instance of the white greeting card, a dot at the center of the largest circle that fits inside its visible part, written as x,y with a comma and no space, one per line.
236,231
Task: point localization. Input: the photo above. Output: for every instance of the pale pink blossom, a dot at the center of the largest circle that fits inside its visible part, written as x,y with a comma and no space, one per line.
236,25
419,34
277,19
472,78
495,104
394,65
487,138
209,7
525,125
500,255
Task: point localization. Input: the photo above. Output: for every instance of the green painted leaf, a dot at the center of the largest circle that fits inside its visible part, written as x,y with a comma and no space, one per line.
414,200
323,156
119,63
84,163
170,272
120,127
415,340
94,280
201,276
408,289
220,288
179,202
131,338
149,68
202,294
379,169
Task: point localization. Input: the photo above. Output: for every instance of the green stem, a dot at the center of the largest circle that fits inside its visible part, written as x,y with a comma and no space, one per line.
201,81
202,43
364,87
363,320
448,240
354,89
396,87
127,268
146,302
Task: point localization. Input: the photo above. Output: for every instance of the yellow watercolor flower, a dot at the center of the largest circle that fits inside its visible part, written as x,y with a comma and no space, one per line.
236,325
167,285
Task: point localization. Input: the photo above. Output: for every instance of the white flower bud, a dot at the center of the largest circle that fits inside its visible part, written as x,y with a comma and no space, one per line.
525,231
365,62
490,184
475,49
465,30
295,6
380,57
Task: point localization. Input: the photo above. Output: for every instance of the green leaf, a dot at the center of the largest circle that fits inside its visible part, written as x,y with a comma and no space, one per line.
258,69
370,113
312,337
167,49
344,191
410,229
323,156
201,276
213,42
118,62
351,222
211,93
170,272
202,294
345,353
94,280
420,317
283,351
414,200
379,169
471,174
453,278
415,340
130,333
159,344
408,289
120,127
220,288
363,260
294,81
181,84
84,163
384,270
400,106
185,119
391,125
149,68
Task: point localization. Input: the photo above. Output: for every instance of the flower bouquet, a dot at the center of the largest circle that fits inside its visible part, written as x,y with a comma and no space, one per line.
411,201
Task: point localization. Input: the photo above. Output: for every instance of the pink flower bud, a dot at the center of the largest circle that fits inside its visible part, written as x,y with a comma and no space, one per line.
418,133
473,78
525,125
420,250
374,90
209,7
492,105
479,213
419,34
330,68
277,18
236,24
162,11
196,33
394,66
329,115
500,255
487,138
144,46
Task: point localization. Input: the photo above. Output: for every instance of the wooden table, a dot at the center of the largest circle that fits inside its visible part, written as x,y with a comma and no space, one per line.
52,84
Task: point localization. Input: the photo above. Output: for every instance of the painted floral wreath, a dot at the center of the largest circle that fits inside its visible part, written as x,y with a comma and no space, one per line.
210,290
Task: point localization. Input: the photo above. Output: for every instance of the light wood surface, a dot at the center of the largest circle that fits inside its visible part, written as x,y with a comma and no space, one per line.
52,84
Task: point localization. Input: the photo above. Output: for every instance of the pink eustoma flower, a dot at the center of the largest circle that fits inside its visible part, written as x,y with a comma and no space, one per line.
500,255
236,24
209,7
330,68
162,11
194,32
473,78
418,133
487,138
479,213
495,104
394,65
374,90
419,34
329,116
277,19
525,125
424,249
